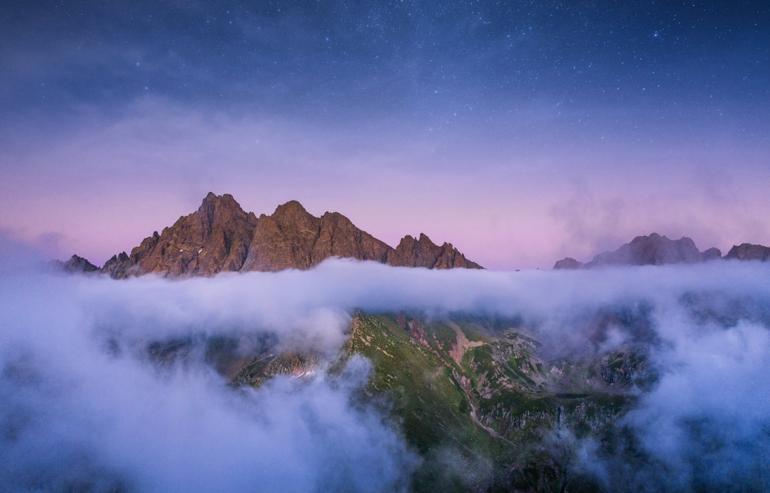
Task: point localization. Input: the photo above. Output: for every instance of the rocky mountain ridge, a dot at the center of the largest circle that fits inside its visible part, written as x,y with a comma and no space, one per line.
221,237
655,249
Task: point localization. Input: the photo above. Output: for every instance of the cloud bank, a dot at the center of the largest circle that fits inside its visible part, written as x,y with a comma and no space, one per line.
82,405
77,415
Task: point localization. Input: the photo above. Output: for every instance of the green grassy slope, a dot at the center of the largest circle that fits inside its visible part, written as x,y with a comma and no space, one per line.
474,398
476,402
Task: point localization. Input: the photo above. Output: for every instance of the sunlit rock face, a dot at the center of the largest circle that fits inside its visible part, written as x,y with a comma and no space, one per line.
293,238
221,237
422,252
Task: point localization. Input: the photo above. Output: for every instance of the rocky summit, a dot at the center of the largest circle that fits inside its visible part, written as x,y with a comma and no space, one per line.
77,264
221,237
653,249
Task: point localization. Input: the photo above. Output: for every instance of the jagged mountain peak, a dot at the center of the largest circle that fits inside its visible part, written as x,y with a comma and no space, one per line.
422,252
221,236
77,264
212,200
422,238
225,203
290,208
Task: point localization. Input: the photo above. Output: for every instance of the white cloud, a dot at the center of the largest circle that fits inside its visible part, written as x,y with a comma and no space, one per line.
72,408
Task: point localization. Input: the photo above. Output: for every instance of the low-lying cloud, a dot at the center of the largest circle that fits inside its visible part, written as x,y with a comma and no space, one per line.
76,415
77,410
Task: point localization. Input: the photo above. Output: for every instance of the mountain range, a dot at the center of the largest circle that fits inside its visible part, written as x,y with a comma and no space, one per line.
655,249
221,237
485,403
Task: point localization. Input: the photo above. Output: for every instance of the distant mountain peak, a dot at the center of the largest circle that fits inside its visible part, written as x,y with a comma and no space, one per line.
651,249
712,253
77,264
568,263
749,251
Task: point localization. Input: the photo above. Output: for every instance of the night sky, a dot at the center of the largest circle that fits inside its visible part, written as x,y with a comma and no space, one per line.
519,131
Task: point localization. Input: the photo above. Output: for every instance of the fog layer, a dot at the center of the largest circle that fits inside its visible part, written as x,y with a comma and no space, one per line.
81,404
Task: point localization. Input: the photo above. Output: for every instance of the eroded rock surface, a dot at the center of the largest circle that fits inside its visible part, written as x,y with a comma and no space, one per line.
221,237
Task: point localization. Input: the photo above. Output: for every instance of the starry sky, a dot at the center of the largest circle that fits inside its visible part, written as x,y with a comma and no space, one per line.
519,131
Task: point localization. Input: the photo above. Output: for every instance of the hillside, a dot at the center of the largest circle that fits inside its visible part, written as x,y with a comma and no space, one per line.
473,396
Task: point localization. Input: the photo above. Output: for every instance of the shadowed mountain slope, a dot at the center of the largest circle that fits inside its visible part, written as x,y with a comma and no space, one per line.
653,249
748,251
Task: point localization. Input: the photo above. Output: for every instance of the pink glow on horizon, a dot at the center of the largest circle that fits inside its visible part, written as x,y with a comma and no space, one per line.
498,238
100,188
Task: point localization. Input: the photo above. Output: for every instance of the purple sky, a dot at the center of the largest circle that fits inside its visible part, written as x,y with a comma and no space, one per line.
519,133
97,185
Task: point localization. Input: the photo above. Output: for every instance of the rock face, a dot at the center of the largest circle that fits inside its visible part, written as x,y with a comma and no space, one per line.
221,237
77,264
294,238
215,238
653,249
748,251
422,252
